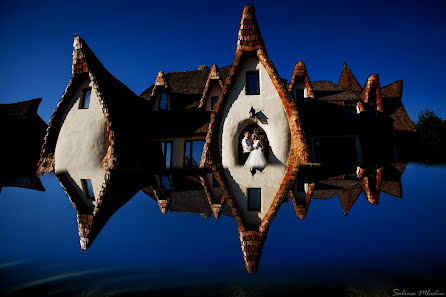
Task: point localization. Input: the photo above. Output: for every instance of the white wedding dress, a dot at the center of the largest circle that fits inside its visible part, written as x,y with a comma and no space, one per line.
256,159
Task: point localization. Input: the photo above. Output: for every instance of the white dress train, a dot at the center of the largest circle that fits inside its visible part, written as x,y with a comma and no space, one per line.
256,159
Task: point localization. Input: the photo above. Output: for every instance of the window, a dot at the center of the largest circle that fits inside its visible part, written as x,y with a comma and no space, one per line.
163,102
371,107
351,111
87,187
85,99
299,95
254,195
192,153
166,147
300,184
252,83
165,182
215,182
214,100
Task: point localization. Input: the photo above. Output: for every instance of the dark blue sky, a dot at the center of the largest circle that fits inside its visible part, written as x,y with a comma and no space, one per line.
135,39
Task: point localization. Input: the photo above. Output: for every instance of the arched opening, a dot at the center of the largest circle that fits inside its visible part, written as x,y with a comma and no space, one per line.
253,128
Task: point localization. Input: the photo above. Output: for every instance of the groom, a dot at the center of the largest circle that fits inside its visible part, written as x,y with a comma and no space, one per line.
246,145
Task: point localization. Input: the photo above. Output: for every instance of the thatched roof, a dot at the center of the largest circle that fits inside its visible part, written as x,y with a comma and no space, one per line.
22,131
394,108
347,80
117,100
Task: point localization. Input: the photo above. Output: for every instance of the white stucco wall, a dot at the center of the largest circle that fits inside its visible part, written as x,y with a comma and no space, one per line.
235,119
82,142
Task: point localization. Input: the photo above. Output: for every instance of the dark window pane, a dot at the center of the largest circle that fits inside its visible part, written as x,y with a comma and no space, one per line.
165,182
300,96
163,148
215,181
163,101
168,154
85,99
166,147
192,153
254,199
351,111
87,188
214,101
187,153
252,83
300,185
197,151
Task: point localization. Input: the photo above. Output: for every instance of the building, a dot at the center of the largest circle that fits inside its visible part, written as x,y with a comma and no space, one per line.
22,131
179,141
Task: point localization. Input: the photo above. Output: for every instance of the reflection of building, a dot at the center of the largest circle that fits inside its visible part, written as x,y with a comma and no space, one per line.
326,183
22,132
179,140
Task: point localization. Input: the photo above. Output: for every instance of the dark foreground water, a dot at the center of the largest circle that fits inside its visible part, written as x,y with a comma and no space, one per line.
395,247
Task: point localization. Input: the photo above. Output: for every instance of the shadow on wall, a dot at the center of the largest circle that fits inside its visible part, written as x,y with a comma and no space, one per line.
262,117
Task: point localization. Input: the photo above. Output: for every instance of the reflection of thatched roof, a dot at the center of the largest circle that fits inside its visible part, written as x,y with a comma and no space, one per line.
187,195
91,219
22,132
349,197
386,179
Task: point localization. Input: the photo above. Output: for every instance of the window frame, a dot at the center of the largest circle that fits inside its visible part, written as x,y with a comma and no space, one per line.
215,182
163,147
212,101
248,199
191,152
85,189
82,99
247,82
167,101
298,99
167,179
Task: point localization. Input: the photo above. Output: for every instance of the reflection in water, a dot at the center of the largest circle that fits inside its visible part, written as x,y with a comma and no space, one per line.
22,132
186,194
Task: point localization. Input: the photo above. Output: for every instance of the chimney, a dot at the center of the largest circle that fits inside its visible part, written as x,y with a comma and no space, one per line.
202,67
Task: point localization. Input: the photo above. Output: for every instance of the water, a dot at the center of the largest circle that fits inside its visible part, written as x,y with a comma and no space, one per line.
399,243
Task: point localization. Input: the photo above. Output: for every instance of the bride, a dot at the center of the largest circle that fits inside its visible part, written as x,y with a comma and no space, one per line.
256,159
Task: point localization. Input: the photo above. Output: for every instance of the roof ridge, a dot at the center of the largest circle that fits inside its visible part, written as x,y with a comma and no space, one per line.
249,36
372,84
347,80
301,70
167,73
213,76
393,90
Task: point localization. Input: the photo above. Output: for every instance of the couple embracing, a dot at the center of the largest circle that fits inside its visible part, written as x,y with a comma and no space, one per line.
253,151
